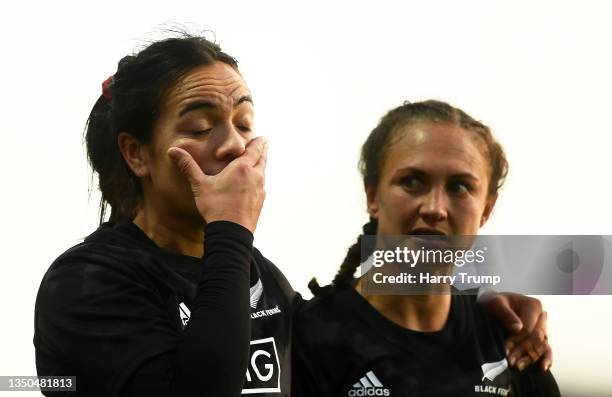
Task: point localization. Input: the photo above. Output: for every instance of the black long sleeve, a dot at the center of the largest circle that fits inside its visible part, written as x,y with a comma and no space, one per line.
107,312
215,347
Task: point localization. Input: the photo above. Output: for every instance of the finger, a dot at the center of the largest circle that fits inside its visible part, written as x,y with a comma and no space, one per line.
514,355
523,363
529,310
534,343
188,167
540,343
519,355
532,348
513,342
263,159
254,150
525,352
538,337
547,358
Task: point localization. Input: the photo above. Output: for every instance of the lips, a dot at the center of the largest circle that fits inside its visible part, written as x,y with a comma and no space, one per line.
429,238
426,231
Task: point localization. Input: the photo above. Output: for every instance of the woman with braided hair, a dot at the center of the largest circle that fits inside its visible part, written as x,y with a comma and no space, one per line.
428,169
169,297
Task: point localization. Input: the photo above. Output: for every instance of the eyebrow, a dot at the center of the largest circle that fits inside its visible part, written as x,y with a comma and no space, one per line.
465,175
419,172
208,105
406,170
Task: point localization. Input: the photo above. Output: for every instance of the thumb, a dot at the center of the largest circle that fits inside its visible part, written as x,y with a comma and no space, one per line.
188,167
500,307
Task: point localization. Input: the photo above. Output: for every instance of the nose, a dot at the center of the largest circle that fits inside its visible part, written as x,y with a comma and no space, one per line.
433,209
232,144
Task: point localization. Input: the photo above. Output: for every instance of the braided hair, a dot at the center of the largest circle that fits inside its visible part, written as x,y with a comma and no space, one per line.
351,260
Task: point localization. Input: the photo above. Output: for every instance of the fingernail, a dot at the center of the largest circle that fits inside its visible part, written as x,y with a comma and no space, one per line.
512,360
521,365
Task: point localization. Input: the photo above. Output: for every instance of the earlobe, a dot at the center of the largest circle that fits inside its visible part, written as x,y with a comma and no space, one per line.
133,153
371,201
491,200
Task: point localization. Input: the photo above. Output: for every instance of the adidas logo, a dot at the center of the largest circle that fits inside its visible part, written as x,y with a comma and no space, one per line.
369,385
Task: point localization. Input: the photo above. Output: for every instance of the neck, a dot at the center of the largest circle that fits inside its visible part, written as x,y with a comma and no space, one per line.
181,235
424,313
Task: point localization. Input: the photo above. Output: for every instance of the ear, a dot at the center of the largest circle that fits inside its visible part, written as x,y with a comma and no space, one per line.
491,200
134,154
371,201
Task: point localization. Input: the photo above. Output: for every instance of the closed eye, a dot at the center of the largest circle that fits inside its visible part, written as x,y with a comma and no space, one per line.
200,132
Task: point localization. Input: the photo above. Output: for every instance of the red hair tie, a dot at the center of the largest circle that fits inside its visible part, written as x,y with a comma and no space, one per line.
106,92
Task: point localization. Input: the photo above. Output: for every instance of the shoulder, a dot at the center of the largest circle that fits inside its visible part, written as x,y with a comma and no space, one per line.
99,286
533,382
322,302
99,298
105,246
94,262
105,264
79,265
269,271
474,323
324,319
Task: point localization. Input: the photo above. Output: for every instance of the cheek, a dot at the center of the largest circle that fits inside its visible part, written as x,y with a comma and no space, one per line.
199,150
397,200
248,136
399,206
467,216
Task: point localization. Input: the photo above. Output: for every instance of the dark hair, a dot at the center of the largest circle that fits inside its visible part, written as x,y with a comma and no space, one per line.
136,93
374,151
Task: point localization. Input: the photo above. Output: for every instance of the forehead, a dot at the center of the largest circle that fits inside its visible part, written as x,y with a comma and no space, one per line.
218,83
437,147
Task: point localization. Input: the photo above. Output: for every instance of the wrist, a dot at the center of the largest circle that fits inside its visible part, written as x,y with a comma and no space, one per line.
240,219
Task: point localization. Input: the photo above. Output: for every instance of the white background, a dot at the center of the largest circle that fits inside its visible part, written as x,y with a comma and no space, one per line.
322,74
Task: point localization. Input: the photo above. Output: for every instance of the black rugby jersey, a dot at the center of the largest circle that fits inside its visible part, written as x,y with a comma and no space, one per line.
344,347
116,312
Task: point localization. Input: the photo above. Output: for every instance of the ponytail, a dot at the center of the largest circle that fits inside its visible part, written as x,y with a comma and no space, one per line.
117,183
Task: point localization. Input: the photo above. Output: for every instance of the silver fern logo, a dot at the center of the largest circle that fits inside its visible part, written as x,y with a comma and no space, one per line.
184,314
490,371
256,292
